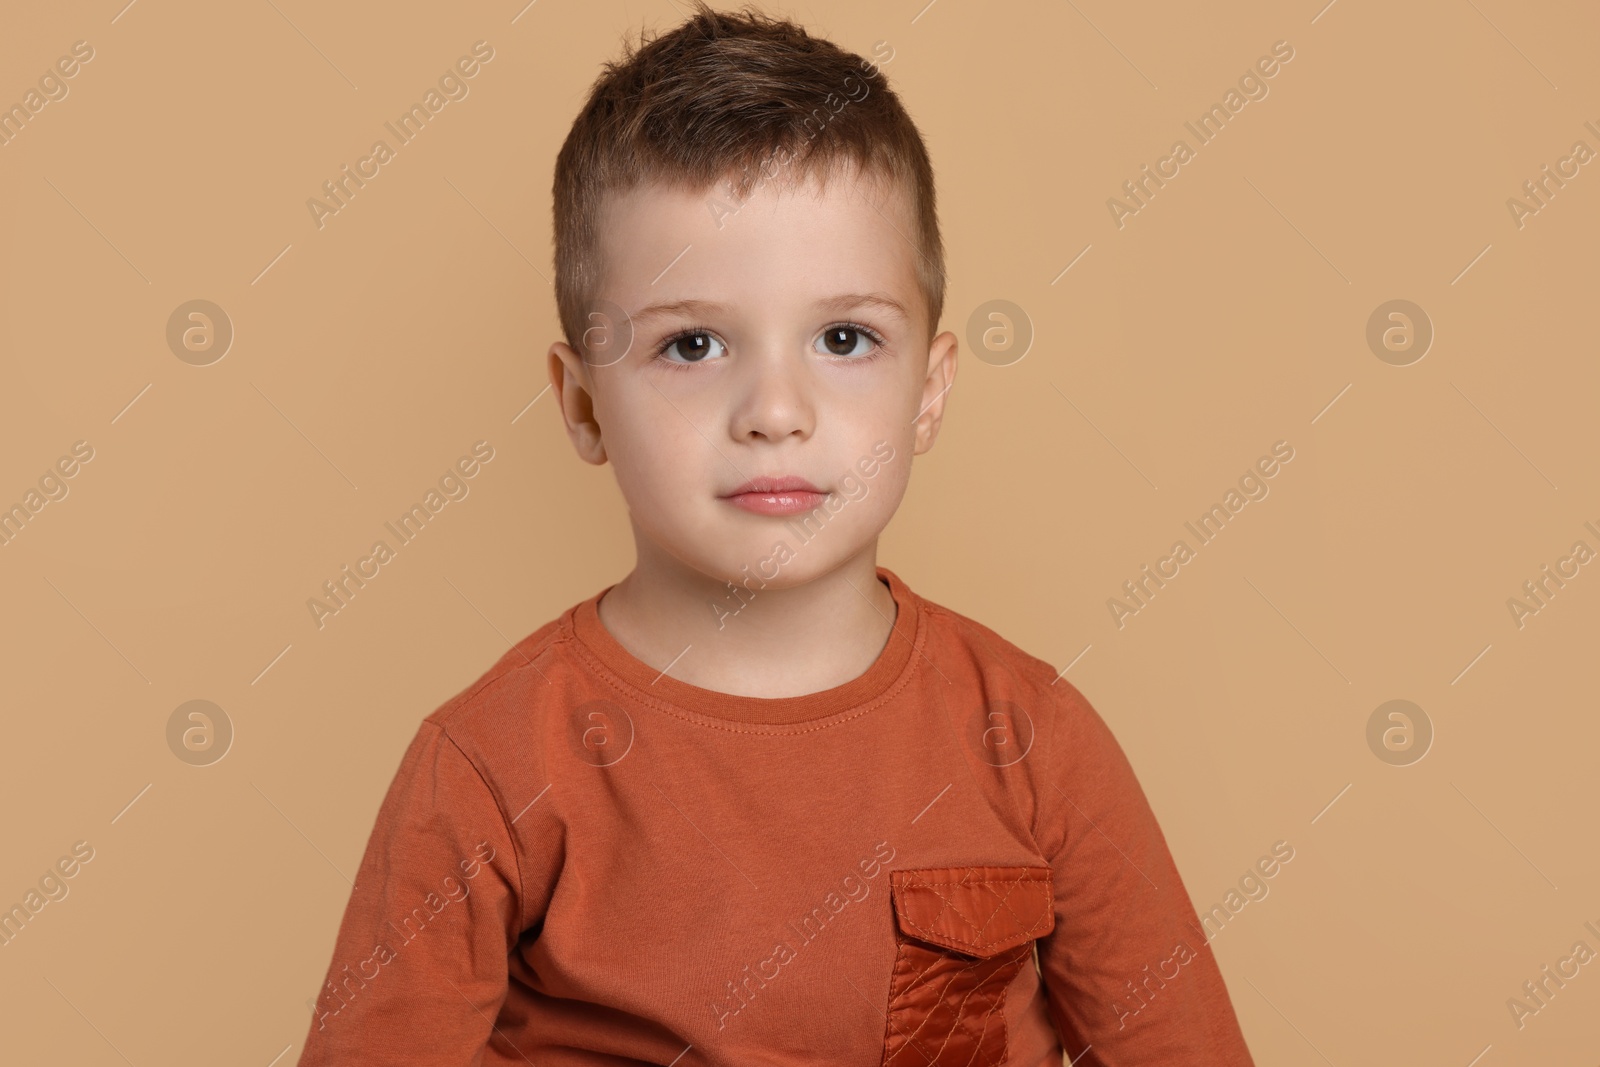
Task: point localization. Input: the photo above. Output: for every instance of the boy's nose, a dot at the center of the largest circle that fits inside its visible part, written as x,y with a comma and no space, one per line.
773,398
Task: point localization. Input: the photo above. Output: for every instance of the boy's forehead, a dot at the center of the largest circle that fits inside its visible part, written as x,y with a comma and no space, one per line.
788,238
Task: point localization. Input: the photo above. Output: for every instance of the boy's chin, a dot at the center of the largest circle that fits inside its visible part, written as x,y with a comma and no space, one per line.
780,564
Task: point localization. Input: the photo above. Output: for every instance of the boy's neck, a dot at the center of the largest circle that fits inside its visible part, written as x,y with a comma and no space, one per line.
774,643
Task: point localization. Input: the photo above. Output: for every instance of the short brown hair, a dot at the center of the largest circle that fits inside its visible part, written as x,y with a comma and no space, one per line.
724,97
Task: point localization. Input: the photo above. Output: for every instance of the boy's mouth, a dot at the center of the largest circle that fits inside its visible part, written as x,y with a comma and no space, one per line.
786,495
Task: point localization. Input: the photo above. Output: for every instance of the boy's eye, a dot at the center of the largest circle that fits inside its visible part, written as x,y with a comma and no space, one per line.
691,347
845,341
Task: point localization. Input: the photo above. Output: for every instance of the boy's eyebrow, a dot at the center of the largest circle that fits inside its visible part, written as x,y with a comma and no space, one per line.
842,302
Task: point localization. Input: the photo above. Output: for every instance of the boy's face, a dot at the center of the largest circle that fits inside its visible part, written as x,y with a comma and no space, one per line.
774,372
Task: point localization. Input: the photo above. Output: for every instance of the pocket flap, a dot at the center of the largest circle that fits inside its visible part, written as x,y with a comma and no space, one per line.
978,911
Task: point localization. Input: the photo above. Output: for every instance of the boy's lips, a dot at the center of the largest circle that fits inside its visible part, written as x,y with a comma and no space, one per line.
786,495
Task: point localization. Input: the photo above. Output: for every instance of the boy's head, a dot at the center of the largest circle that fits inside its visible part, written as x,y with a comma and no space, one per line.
749,274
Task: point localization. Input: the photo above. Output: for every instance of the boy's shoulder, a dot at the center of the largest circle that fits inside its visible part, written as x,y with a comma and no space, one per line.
995,658
1017,706
513,686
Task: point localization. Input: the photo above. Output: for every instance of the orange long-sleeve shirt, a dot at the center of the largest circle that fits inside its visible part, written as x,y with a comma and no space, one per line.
581,862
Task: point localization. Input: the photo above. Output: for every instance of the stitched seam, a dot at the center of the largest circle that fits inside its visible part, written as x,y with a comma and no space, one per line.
459,703
950,979
960,1022
919,884
993,972
898,998
997,1002
1004,902
516,849
959,1010
929,934
1013,967
598,668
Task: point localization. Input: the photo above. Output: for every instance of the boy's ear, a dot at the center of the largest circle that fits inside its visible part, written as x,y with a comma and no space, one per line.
569,378
935,387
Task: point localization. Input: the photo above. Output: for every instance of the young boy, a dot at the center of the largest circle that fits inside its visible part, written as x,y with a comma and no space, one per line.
759,802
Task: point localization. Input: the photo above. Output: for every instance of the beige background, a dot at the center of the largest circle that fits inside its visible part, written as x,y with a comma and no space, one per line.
1226,315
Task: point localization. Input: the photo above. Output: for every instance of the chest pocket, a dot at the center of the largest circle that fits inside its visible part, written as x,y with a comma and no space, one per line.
963,933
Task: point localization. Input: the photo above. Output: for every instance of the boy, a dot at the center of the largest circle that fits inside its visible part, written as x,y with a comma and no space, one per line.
759,802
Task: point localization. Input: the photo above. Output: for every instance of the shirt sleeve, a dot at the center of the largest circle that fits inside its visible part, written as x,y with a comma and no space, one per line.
1129,975
419,968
